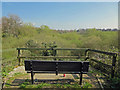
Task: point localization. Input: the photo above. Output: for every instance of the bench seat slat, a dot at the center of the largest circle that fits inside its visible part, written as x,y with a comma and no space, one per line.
69,66
44,66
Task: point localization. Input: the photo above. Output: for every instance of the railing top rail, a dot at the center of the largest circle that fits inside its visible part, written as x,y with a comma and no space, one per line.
51,48
87,49
103,52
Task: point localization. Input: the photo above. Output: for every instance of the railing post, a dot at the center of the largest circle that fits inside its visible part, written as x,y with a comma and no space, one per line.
54,53
87,57
19,57
113,66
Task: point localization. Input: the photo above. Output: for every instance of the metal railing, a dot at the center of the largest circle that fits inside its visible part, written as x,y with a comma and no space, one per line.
114,55
85,57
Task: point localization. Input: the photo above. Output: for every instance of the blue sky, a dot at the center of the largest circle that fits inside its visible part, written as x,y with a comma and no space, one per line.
65,15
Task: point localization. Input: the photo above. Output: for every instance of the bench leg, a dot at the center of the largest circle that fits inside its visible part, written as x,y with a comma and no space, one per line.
32,79
56,72
81,78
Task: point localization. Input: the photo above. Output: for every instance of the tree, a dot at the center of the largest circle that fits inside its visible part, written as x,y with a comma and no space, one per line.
44,27
5,26
11,25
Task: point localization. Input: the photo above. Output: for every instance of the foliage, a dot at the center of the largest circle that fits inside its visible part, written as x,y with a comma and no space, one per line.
44,27
50,52
6,70
11,79
31,44
114,82
42,85
11,25
87,85
23,85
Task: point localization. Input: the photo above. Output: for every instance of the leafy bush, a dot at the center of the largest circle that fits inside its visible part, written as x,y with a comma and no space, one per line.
114,82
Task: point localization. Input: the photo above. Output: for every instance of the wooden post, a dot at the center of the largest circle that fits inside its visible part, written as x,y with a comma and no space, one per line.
113,66
19,57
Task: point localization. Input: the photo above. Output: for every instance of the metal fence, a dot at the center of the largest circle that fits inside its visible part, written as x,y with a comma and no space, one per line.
71,53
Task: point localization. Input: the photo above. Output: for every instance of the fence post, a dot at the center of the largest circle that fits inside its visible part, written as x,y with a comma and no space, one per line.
19,57
113,66
86,54
54,53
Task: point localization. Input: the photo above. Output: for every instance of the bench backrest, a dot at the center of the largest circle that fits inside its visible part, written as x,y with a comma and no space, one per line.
65,66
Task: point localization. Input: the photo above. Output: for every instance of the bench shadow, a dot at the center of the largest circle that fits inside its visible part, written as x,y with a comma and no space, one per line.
17,82
54,81
75,76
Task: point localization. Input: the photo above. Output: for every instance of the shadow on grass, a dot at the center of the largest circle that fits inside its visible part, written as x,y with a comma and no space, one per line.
17,82
75,76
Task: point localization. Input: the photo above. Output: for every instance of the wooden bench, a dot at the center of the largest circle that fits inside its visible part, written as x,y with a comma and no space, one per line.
67,67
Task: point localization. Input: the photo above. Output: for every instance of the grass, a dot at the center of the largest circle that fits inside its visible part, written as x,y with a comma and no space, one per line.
112,83
47,85
27,84
10,79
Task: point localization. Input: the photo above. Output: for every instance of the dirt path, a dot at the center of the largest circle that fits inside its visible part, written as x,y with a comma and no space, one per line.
51,78
20,69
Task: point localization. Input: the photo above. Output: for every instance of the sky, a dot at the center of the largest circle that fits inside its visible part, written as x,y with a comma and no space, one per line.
65,15
60,0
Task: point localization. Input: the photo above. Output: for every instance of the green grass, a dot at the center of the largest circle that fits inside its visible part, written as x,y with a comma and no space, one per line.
27,84
11,79
47,85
